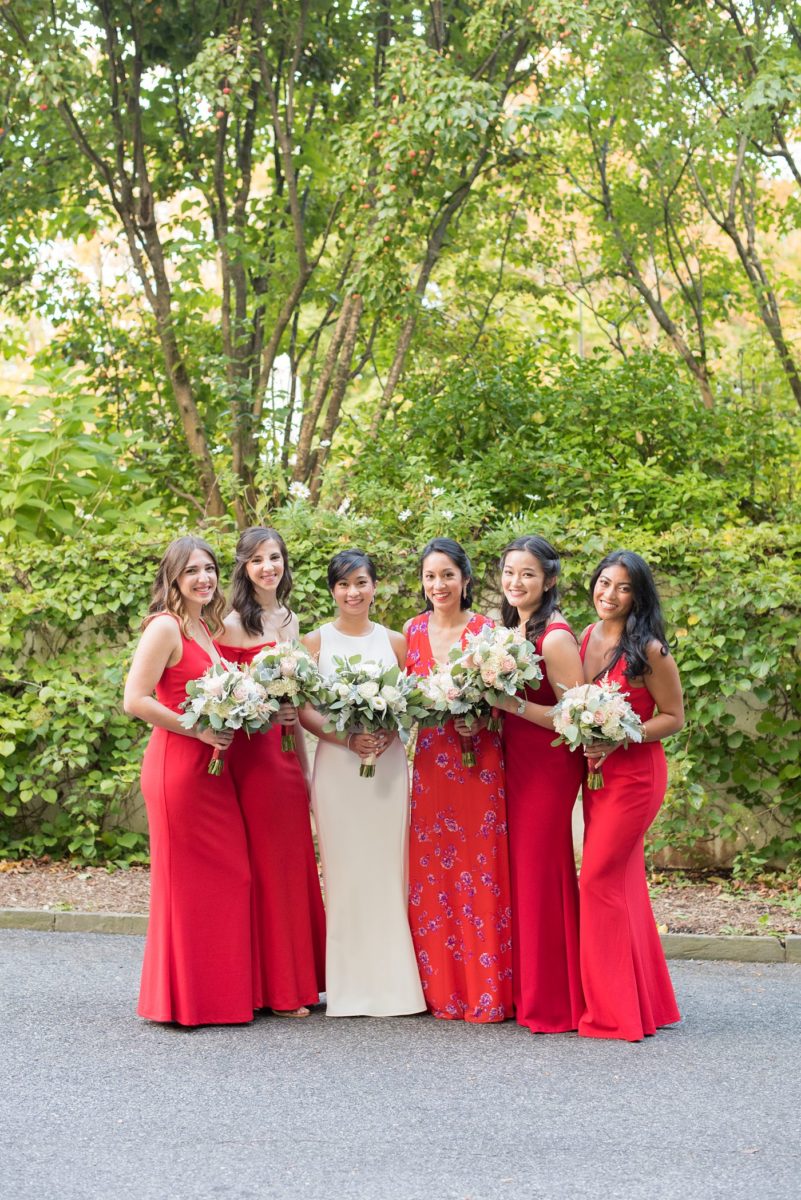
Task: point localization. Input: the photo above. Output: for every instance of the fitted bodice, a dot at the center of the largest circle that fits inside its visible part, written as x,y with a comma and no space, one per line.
194,662
639,698
375,647
241,654
420,657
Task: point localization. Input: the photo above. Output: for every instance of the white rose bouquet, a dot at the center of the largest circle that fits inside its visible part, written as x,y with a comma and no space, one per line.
288,673
226,697
450,692
500,662
594,713
365,696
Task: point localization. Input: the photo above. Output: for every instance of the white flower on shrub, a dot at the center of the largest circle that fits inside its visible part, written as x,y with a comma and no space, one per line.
299,491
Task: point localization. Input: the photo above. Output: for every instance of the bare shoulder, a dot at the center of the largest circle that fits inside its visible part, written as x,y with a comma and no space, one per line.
557,637
407,626
232,627
657,658
161,630
398,643
312,641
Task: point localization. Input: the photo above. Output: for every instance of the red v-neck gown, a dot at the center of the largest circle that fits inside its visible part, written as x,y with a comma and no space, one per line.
624,975
197,965
288,919
459,897
542,784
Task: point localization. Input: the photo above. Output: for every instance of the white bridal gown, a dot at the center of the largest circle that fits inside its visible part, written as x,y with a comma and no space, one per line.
363,834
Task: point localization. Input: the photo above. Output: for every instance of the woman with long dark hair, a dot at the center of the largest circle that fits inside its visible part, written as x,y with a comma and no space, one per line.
624,976
288,918
197,965
542,783
459,898
362,823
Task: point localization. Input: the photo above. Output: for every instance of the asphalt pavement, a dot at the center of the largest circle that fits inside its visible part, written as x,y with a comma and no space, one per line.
95,1103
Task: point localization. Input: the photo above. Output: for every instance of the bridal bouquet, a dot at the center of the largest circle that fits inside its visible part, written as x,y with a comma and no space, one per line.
226,697
500,662
450,692
288,673
593,714
362,696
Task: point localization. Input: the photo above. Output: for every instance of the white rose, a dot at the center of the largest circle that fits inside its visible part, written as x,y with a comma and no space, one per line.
586,718
368,689
390,694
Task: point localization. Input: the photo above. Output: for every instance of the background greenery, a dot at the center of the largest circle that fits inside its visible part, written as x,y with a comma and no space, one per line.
374,273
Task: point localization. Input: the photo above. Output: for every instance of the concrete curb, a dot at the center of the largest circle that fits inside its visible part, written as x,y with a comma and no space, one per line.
729,948
48,921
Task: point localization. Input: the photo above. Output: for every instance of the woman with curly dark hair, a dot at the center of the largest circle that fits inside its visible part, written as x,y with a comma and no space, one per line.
626,984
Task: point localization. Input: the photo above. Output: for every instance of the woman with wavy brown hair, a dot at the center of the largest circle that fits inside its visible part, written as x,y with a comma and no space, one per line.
197,966
271,787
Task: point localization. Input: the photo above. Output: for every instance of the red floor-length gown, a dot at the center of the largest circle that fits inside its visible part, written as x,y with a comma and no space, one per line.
542,783
197,965
288,915
624,975
459,898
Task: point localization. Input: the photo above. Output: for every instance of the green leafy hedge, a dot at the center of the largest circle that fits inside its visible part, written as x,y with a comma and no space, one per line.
69,758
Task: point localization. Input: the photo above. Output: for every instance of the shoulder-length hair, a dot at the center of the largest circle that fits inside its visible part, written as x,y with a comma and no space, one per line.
458,556
644,623
243,593
166,596
548,559
346,562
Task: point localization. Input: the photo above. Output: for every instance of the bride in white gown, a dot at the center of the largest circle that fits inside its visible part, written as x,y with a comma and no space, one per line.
362,824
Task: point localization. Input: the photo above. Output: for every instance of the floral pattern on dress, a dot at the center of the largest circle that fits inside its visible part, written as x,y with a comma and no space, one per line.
459,892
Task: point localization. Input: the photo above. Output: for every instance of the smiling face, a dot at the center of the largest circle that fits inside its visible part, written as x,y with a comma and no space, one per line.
353,593
265,567
613,594
524,581
197,583
443,582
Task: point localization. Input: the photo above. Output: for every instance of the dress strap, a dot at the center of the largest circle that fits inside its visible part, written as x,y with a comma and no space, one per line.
557,625
585,639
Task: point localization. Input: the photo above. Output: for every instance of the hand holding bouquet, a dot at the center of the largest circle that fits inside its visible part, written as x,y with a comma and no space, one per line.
450,691
593,714
289,674
500,662
226,697
365,696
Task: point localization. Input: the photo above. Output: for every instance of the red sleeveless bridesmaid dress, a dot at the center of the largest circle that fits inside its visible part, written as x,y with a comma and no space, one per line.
197,968
626,984
542,783
288,919
459,897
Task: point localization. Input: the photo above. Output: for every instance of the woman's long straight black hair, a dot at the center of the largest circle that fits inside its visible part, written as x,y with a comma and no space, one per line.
548,559
458,556
243,594
645,623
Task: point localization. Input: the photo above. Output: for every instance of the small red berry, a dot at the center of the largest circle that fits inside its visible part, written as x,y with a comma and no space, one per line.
220,114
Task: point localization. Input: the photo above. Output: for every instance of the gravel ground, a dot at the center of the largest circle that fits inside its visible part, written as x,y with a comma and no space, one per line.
680,905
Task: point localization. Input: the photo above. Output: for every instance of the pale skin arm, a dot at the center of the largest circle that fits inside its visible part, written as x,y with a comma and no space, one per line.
160,647
665,686
565,670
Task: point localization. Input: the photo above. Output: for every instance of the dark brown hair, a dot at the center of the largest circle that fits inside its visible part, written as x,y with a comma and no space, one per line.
166,595
243,593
